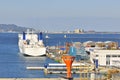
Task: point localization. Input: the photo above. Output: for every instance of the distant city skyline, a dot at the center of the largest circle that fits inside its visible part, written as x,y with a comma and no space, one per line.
62,15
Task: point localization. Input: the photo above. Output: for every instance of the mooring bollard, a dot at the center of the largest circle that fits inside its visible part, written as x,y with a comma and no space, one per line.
45,68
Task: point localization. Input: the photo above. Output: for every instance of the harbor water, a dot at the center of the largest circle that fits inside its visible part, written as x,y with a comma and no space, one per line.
13,64
59,39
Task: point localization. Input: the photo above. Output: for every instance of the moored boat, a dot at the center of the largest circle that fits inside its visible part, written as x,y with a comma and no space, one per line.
31,44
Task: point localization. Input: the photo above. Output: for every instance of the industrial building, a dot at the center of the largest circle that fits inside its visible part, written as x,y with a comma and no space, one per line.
105,57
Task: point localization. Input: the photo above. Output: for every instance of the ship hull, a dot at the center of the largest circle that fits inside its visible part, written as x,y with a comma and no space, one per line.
33,51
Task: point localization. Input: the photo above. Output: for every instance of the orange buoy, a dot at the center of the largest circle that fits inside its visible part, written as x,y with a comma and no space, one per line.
68,61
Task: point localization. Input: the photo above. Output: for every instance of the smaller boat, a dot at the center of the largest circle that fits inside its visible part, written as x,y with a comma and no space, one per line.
65,36
47,36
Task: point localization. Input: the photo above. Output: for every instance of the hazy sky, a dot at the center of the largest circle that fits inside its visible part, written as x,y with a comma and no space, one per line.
59,15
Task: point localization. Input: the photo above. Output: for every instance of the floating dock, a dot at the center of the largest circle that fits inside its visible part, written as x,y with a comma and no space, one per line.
37,79
54,66
57,68
58,64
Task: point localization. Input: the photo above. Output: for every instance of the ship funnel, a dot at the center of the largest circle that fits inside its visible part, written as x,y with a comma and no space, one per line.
24,37
40,36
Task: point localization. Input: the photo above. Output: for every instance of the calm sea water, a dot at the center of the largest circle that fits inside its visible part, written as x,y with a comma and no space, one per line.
13,64
58,39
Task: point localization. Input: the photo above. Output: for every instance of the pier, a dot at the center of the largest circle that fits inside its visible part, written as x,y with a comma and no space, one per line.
37,79
52,67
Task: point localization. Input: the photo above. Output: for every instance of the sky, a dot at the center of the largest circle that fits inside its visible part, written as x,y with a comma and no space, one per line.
62,15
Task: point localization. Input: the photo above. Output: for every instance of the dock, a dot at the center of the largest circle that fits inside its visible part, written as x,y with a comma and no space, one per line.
36,79
57,68
58,64
52,66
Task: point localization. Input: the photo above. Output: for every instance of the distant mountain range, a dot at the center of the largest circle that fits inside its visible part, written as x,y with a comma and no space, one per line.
13,28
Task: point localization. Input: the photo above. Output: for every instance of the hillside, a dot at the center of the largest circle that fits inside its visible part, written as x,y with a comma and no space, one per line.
12,28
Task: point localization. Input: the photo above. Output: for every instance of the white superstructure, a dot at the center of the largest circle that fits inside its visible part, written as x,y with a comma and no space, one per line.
31,44
106,57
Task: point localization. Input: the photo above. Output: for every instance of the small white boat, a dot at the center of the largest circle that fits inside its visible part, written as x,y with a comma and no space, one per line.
65,36
46,36
31,44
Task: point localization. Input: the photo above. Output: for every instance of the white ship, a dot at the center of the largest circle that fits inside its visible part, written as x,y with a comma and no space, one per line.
31,44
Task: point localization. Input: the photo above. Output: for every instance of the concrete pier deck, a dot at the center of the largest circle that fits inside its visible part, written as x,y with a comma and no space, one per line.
36,79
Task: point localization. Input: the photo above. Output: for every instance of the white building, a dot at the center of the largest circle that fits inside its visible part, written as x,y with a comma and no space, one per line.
78,30
106,57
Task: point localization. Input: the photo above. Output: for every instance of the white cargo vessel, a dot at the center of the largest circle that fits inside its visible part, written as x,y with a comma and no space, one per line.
31,44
